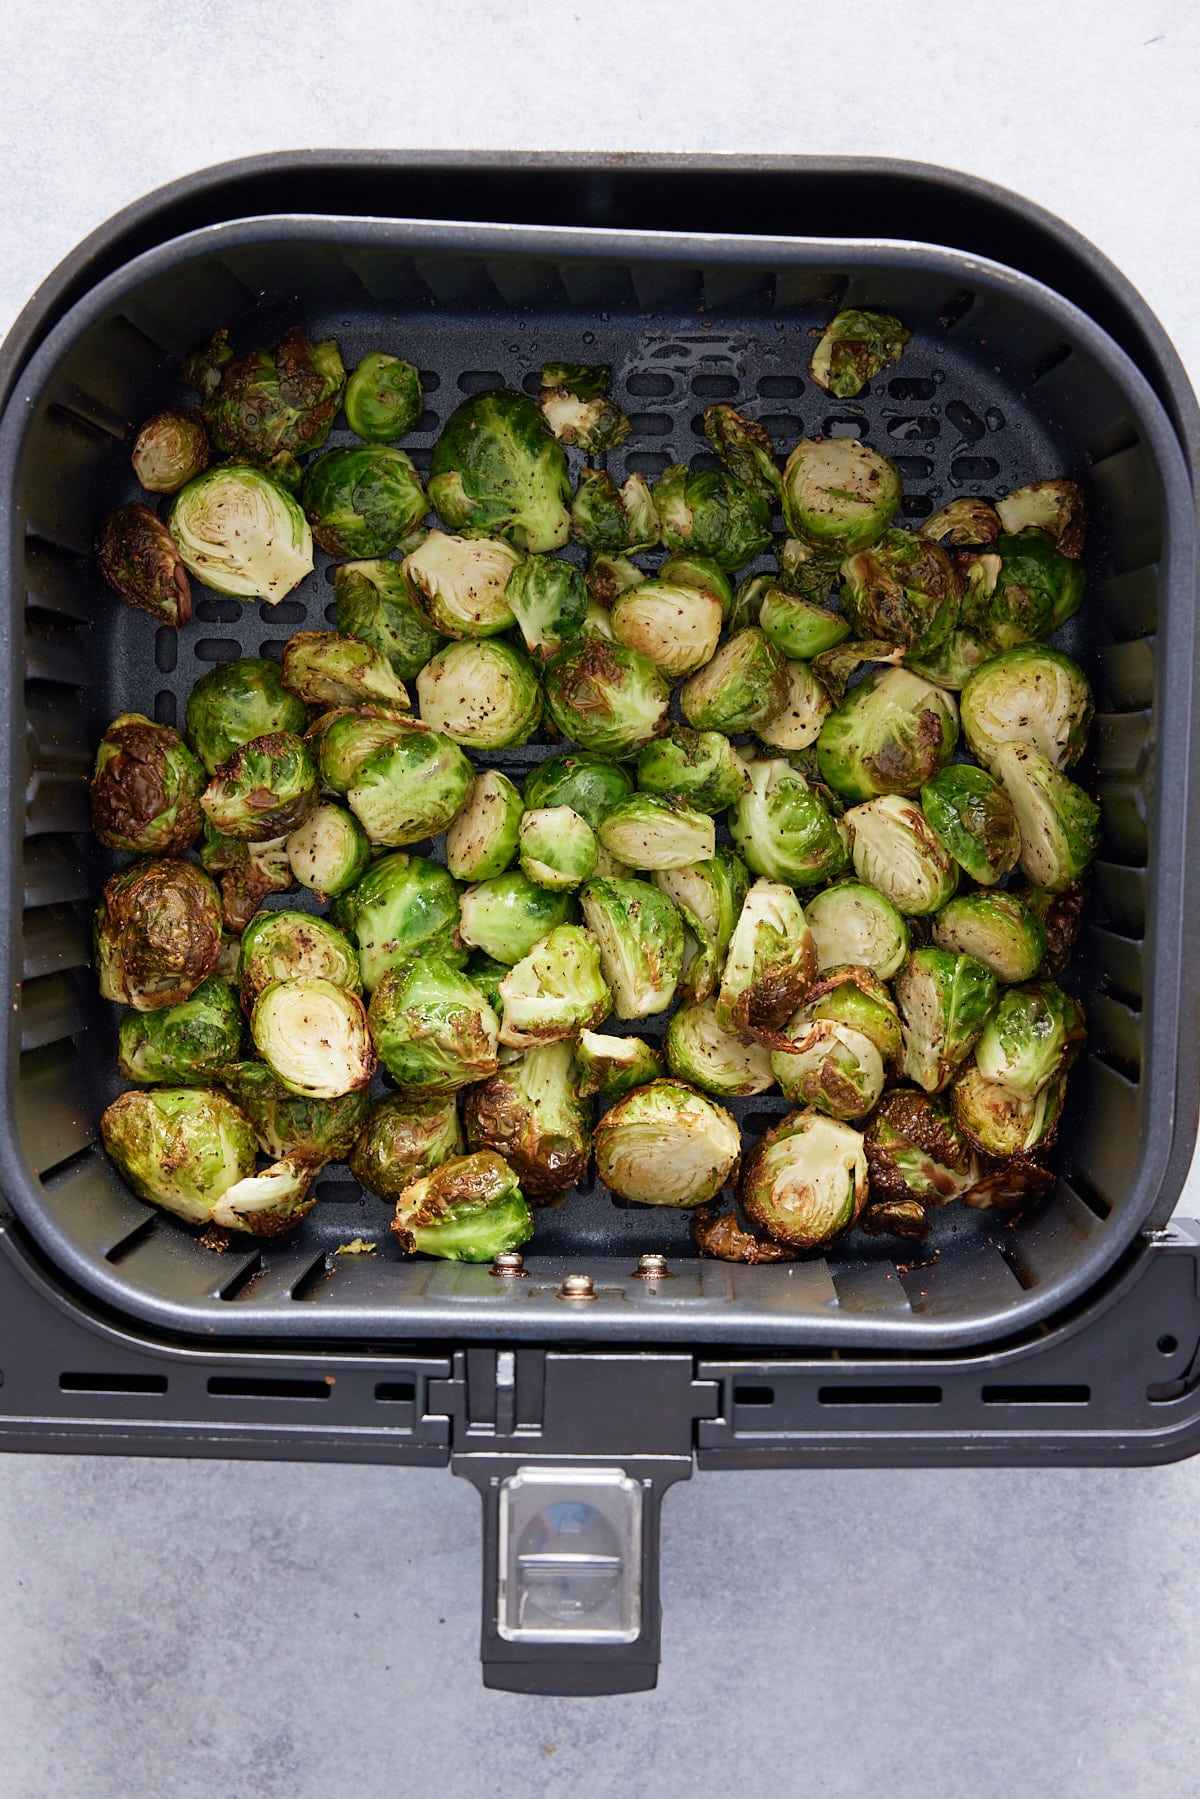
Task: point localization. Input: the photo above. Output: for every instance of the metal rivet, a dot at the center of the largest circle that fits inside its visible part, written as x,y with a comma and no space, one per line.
651,1268
508,1264
577,1286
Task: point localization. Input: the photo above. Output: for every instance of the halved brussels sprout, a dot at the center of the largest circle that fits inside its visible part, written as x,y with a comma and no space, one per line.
894,849
610,1066
854,347
313,1036
362,499
744,686
806,570
383,398
838,494
589,784
179,1147
433,1028
1056,507
548,599
146,788
608,576
853,923
709,896
188,1044
236,702
747,605
903,590
508,914
286,1124
945,999
375,606
639,932
700,1050
610,519
915,1151
287,946
972,818
606,697
890,734
1020,590
744,446
140,560
798,627
483,839
677,627
829,1065
597,622
798,723
171,448
264,402
1002,1123
770,963
952,662
1059,823
498,470
853,995
344,738
411,789
836,668
323,669
558,847
554,992
158,934
1033,1035
577,409
267,788
404,1138
459,583
688,568
1060,916
250,873
1012,1187
654,830
329,851
269,1202
241,533
483,693
963,523
784,830
402,906
725,1240
530,1113
1032,695
665,1144
806,1181
701,767
997,930
470,1209
711,513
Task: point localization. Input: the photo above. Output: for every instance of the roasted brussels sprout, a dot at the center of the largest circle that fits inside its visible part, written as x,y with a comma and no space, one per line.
404,1138
329,851
700,1050
508,914
904,590
487,975
1032,1036
952,662
236,702
548,599
854,347
1060,916
838,494
375,606
1020,590
1032,695
554,992
725,1240
484,693
241,533
606,697
963,523
744,446
915,1151
806,1181
383,398
589,784
711,513
146,788
483,839
639,932
748,600
140,560
286,1124
945,999
798,627
558,847
770,963
249,873
997,930
344,737
179,1147
288,946
894,850
853,995
709,896
577,409
186,1045
312,1034
1012,1187
499,471
691,569
829,1065
1002,1123
324,669
806,570
1059,823
459,583
261,403
744,686
609,519
171,448
891,733
530,1113
856,924
701,767
433,1028
677,627
654,830
609,576
1056,507
158,934
665,1144
411,789
836,668
402,906
469,1209
610,1066
266,789
783,829
972,818
798,722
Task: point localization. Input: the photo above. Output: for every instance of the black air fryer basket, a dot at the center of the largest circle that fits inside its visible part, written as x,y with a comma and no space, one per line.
1072,1333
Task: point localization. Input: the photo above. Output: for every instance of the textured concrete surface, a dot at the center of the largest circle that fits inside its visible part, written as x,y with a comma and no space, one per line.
229,1629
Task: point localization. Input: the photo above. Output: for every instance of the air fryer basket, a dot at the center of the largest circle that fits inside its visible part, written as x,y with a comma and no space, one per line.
1004,381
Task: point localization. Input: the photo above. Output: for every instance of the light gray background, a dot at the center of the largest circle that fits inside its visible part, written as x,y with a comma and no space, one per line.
175,1629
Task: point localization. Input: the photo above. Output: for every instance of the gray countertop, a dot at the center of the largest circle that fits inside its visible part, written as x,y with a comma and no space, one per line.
196,1629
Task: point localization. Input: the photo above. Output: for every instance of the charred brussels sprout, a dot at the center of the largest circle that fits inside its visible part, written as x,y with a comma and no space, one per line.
1032,695
639,932
266,789
236,702
612,520
329,851
1031,1037
589,784
470,1209
180,1148
702,767
652,830
261,403
972,818
558,847
952,662
344,737
963,523
701,1051
903,590
853,995
139,559
383,398
403,1139
249,873
411,789
1059,823
323,669
146,788
798,722
483,693
852,923
1002,1123
609,576
677,627
854,347
610,1066
577,408
499,471
916,1153
784,830
806,1181
711,513
608,698
483,839
806,570
894,850
1020,590
507,915
186,1045
1056,507
837,667
402,906
241,533
554,992
890,734
798,627
171,448
287,1124
374,605
838,494
744,446
290,946
433,1028
829,1065
158,934
724,1239
744,686
945,999
548,599
459,583
530,1113
666,1145
1060,916
770,963
997,930
709,896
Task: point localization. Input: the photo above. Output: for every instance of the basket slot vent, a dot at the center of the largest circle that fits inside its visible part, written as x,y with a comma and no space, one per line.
56,728
914,468
387,277
670,286
1131,602
726,285
55,654
51,1008
862,1395
276,1279
1120,958
238,1283
480,381
715,387
127,1385
784,429
974,469
649,384
1119,897
315,1276
1128,674
55,803
1053,1236
53,873
754,1396
870,1287
1124,741
1124,806
598,284
53,939
916,505
1088,1198
91,411
842,425
1043,1394
132,1241
58,584
1124,492
166,708
1050,359
219,611
70,419
1105,1162
652,424
1118,1030
649,463
283,612
53,1115
779,387
262,1386
976,1273
907,387
217,649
